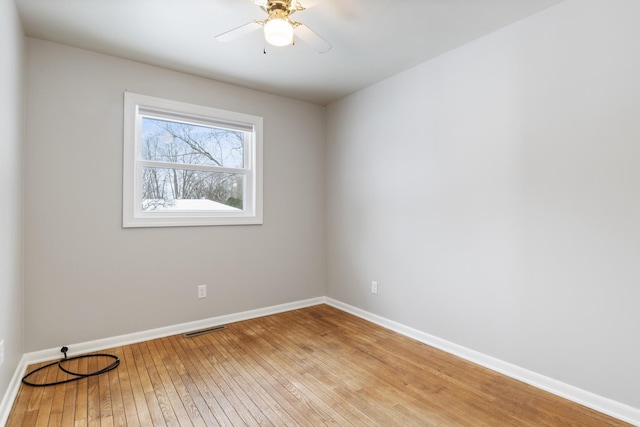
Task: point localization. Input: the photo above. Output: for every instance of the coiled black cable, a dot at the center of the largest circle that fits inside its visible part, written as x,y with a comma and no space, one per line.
78,376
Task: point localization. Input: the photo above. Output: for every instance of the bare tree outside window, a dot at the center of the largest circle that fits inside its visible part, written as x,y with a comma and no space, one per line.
193,146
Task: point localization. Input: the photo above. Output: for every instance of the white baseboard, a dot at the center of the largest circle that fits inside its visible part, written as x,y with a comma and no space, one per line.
106,343
102,344
607,406
601,404
12,391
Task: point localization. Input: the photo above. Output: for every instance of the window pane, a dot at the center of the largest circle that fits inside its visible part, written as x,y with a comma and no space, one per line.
168,141
188,190
189,165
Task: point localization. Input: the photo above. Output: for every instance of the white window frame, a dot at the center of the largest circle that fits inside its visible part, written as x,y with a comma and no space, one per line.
138,106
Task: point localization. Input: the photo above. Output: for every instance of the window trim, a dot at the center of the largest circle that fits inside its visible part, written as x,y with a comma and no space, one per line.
132,214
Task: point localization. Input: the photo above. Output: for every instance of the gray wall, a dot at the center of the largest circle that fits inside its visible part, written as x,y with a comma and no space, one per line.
88,278
494,194
11,277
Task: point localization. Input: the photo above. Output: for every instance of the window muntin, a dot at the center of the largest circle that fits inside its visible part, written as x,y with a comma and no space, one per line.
190,165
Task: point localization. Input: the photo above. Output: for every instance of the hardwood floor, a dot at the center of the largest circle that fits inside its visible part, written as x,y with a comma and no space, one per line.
313,366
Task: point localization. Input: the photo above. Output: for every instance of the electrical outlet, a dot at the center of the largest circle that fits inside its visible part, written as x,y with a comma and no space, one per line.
374,287
202,291
1,352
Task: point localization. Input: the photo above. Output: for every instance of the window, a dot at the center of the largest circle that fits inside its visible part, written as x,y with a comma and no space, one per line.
189,165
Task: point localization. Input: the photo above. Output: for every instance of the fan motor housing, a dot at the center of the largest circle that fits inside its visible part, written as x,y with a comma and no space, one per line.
283,5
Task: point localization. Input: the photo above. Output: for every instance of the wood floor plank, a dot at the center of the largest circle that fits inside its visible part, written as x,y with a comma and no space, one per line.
271,381
256,380
308,367
57,402
203,396
25,410
127,364
291,342
40,377
93,395
82,394
70,397
387,376
28,420
196,408
251,386
118,412
162,392
109,394
128,415
44,409
150,397
248,412
184,408
19,409
233,410
293,358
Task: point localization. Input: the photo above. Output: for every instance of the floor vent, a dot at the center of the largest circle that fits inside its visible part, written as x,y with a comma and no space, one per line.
205,331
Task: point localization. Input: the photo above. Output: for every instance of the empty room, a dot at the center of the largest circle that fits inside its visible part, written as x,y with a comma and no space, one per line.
345,212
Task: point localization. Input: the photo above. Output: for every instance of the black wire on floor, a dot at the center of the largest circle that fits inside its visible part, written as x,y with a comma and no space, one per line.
78,376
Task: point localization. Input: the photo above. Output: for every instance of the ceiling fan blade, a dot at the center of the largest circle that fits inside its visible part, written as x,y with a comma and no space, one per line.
309,37
239,31
295,6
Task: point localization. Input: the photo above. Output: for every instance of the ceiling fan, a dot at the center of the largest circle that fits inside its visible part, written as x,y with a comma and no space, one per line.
279,29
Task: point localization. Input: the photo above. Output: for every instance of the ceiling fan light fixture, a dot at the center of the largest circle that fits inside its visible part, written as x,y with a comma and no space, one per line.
278,32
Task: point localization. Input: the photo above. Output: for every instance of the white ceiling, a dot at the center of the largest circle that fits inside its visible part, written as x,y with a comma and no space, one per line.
372,39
